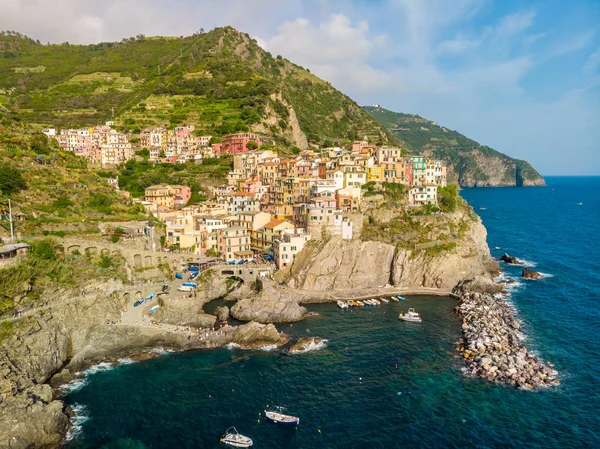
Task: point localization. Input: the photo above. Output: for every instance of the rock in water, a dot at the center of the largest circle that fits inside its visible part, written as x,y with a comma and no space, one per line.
507,258
304,344
222,313
530,274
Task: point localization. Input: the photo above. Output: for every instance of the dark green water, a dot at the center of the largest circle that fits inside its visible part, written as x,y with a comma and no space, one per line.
381,383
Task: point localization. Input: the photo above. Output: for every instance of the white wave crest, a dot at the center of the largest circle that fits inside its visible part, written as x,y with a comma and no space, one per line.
527,263
104,366
74,385
126,361
233,346
77,420
163,351
312,346
268,348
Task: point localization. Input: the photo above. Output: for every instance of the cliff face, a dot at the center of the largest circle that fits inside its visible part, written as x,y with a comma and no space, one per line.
356,264
71,337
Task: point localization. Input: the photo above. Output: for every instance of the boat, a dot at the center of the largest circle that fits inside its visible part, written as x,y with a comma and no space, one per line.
385,300
185,288
375,302
410,316
395,299
401,298
367,302
277,416
233,438
359,303
342,305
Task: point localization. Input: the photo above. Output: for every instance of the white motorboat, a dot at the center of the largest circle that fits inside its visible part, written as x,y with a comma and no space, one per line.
185,288
342,305
375,302
368,302
411,316
277,416
233,438
385,300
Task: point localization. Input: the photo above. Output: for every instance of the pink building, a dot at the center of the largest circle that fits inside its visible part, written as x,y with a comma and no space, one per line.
237,143
182,195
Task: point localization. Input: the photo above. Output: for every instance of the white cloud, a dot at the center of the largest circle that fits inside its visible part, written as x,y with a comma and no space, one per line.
335,49
574,43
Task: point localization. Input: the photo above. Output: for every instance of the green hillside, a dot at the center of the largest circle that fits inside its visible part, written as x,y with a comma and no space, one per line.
471,163
220,81
52,190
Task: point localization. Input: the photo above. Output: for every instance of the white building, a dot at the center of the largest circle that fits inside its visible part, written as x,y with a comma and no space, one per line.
287,247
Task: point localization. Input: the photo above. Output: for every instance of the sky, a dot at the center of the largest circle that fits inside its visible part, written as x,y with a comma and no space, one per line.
520,76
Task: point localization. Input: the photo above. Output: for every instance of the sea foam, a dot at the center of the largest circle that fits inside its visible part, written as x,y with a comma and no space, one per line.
77,420
312,346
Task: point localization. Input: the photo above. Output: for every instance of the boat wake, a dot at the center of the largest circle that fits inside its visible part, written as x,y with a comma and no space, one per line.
77,420
312,346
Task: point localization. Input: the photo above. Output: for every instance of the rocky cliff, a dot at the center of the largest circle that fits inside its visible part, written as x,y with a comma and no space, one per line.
70,337
357,264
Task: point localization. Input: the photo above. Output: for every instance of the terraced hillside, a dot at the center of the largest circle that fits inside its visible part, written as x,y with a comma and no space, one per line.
470,163
220,81
52,190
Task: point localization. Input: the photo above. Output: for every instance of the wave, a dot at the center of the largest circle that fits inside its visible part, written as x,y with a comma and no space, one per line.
163,351
527,263
77,420
312,346
100,367
126,361
74,385
266,348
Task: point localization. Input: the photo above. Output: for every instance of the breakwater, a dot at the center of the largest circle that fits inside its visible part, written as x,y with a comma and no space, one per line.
491,344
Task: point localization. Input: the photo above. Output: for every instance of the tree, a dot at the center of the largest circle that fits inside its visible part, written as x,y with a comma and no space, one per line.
252,145
162,154
11,180
212,252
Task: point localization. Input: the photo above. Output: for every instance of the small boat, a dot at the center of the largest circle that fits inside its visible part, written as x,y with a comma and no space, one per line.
410,316
359,304
375,302
233,438
368,302
385,300
185,288
342,305
401,298
395,299
277,416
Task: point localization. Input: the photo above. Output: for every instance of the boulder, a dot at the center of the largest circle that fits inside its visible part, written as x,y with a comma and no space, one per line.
255,335
506,258
530,274
222,313
304,344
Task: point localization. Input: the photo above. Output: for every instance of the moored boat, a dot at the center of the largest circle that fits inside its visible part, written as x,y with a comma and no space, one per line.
233,438
359,303
401,298
385,300
410,316
375,302
395,299
342,305
277,416
368,302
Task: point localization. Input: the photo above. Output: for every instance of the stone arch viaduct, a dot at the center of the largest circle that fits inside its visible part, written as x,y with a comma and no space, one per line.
134,257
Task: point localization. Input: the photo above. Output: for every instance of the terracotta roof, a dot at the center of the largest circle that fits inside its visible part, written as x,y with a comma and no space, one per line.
243,194
274,223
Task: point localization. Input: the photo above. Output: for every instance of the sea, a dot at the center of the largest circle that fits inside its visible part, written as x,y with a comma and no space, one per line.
381,383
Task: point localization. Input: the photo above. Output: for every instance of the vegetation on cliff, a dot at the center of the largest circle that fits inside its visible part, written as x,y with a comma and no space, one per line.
50,187
220,81
28,282
470,163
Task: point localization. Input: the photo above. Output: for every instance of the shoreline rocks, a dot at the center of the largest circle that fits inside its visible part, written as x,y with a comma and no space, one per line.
491,344
530,274
511,260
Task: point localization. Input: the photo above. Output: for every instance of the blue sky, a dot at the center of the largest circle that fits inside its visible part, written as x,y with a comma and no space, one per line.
520,76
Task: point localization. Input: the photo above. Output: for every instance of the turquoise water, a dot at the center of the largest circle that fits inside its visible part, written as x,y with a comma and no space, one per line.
380,383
